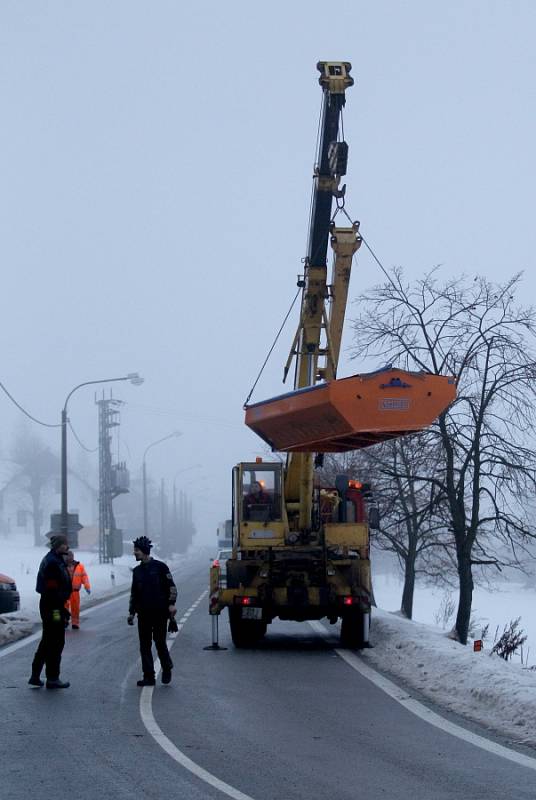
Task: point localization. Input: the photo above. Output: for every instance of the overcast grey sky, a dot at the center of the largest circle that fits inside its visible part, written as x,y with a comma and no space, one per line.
156,164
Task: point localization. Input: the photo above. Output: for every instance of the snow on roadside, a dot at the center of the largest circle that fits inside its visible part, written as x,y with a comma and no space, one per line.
498,694
13,626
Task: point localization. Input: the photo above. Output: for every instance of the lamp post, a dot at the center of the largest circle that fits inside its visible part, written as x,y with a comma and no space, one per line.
173,435
136,380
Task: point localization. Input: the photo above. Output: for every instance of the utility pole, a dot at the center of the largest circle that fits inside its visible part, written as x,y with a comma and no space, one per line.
113,480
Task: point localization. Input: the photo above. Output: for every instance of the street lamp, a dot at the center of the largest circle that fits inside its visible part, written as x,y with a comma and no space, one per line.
173,435
136,380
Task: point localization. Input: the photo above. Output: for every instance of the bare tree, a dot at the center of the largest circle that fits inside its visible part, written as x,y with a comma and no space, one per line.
475,331
37,466
410,524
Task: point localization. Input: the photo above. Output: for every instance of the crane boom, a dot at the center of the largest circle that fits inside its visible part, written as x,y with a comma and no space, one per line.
302,551
319,335
330,167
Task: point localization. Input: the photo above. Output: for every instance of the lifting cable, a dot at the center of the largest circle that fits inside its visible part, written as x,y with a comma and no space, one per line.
340,207
340,202
377,260
304,260
272,347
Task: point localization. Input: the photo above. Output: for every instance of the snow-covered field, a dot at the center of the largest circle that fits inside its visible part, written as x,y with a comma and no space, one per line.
497,608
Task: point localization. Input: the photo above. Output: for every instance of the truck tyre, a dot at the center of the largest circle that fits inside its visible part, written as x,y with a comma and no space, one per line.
245,632
353,629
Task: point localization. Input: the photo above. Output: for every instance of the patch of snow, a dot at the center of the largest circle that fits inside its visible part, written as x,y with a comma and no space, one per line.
13,626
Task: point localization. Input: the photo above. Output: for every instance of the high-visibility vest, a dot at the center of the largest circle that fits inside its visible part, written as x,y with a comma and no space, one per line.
79,577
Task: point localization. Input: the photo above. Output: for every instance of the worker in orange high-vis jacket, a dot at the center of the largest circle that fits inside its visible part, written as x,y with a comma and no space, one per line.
79,578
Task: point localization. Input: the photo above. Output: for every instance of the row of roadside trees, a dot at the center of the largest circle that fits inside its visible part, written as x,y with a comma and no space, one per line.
457,500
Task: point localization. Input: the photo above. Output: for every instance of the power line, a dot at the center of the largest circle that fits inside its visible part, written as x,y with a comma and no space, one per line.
39,422
82,445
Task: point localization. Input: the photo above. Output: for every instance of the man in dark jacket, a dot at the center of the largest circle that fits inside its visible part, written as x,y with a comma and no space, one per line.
152,598
54,586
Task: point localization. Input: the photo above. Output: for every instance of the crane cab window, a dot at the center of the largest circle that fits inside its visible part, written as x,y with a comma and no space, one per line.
261,494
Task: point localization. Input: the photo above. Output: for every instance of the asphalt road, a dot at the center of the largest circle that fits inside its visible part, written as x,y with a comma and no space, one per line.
289,720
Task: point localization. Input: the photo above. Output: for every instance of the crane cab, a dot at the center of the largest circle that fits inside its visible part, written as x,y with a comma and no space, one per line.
259,516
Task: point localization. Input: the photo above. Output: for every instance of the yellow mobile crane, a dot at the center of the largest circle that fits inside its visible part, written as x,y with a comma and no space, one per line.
301,551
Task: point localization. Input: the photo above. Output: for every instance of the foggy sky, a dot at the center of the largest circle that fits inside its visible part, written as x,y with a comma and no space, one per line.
156,163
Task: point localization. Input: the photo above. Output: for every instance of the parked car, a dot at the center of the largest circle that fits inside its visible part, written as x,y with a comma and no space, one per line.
221,561
9,596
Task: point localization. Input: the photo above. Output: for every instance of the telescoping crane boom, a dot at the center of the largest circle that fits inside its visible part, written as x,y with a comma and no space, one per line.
317,342
301,551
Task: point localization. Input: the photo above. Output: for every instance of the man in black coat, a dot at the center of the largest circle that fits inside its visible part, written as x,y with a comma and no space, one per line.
54,586
152,598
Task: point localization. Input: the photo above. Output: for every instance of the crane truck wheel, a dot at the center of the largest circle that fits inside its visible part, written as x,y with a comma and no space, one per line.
245,632
353,629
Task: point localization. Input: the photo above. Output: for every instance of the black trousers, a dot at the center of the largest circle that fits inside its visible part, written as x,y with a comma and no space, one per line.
50,648
153,627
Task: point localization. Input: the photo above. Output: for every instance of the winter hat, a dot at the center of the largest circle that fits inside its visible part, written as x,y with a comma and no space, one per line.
57,539
144,544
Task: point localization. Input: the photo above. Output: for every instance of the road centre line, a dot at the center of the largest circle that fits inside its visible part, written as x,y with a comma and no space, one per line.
152,727
420,710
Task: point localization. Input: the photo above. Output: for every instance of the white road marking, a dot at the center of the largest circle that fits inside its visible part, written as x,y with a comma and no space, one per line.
394,691
152,727
420,710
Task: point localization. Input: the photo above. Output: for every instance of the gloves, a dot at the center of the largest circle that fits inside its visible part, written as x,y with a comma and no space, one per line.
56,615
88,591
130,619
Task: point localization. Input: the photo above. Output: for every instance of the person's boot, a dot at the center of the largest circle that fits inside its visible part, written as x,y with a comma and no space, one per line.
166,675
76,627
146,682
35,680
58,684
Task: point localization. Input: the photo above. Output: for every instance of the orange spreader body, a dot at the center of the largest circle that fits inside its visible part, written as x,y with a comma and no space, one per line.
351,413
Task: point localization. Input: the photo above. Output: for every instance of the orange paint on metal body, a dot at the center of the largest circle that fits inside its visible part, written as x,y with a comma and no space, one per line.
351,413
